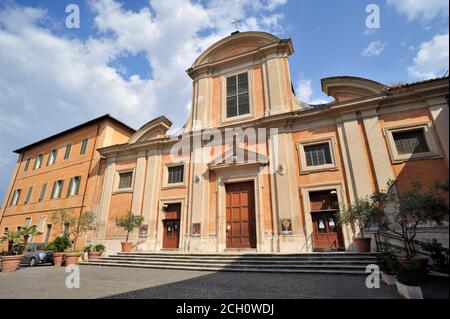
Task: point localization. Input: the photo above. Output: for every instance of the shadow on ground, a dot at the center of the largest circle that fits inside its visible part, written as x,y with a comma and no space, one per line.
228,285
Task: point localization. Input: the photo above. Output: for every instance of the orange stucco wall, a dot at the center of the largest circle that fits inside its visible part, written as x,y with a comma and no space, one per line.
426,171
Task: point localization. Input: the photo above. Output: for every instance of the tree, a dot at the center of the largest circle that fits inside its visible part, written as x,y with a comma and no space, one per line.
362,212
12,238
129,222
77,225
27,232
408,210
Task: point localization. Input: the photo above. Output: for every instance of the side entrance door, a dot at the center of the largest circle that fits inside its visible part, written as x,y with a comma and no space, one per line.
327,234
240,208
171,224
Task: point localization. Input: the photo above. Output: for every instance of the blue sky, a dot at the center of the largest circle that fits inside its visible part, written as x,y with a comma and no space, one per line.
128,58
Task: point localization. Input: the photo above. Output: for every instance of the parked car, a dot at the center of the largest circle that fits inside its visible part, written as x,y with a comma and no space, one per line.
35,254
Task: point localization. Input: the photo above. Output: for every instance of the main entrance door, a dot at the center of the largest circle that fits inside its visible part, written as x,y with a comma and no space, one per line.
171,223
327,234
241,225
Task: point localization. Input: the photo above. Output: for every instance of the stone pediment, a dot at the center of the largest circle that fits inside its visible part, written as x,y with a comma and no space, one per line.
349,87
153,130
238,157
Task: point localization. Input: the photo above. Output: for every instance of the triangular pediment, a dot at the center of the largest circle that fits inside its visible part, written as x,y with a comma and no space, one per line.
240,156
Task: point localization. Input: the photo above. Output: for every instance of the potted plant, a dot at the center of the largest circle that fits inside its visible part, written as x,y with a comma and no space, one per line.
10,260
409,276
362,213
388,264
95,251
440,260
128,222
406,211
58,246
76,225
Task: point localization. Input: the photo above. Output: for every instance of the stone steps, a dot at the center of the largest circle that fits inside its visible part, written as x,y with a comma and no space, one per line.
326,263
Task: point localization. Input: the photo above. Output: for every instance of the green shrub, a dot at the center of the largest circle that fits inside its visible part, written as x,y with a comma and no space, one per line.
410,273
388,262
87,248
437,254
99,248
59,245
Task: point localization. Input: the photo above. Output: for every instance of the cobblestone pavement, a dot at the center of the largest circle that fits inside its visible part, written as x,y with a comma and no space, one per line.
113,282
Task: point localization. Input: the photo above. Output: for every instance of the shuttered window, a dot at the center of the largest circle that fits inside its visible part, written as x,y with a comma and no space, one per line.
38,161
57,188
175,174
318,154
83,146
74,186
410,142
52,157
42,192
67,152
28,197
27,165
125,180
16,197
238,102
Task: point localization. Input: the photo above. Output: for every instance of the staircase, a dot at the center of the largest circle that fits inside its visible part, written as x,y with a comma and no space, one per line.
324,263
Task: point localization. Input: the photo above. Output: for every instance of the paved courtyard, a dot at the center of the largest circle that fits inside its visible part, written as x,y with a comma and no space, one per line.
111,282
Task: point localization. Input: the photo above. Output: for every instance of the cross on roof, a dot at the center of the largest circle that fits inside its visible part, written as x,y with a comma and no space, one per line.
236,23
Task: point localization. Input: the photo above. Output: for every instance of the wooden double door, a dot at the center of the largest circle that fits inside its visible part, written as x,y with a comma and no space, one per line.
240,215
327,233
171,224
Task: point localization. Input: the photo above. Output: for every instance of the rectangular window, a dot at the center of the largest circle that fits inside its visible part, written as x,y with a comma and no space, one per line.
57,188
67,152
125,180
16,197
42,192
83,146
30,191
66,228
318,154
410,142
27,165
74,186
238,102
27,222
42,221
38,161
52,157
175,174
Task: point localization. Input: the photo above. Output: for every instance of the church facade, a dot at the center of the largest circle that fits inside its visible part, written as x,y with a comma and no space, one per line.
255,169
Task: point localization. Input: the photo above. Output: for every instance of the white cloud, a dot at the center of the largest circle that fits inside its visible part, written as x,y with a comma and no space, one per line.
432,59
375,48
424,10
304,92
49,82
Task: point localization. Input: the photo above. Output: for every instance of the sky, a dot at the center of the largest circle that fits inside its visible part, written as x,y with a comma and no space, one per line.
128,58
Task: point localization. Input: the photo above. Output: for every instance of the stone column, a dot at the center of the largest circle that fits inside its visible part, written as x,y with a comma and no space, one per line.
151,196
285,201
378,152
108,185
440,114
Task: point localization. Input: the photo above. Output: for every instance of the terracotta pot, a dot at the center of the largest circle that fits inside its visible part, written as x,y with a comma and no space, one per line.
11,263
362,245
58,259
71,258
422,260
94,255
126,247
